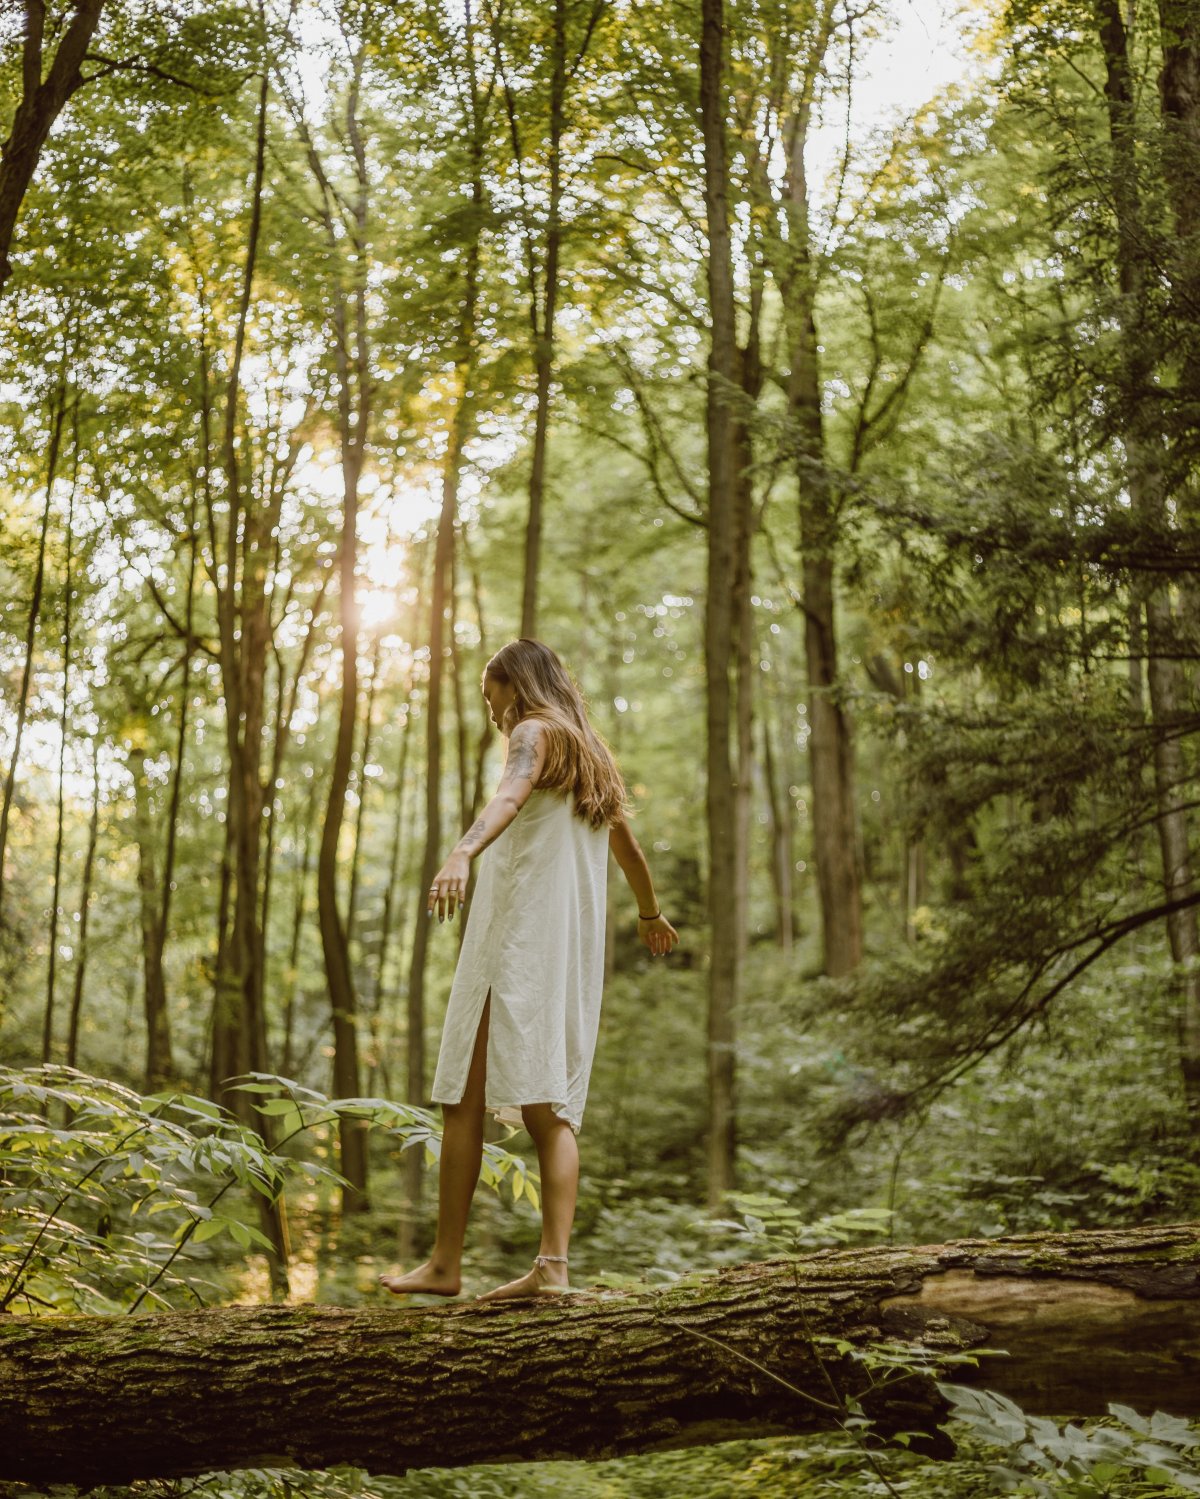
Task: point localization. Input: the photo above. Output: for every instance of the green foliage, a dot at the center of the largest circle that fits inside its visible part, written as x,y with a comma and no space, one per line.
770,1225
112,1208
1043,1458
105,1211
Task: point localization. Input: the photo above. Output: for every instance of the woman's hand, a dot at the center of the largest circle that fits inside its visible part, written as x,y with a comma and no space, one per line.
658,935
449,888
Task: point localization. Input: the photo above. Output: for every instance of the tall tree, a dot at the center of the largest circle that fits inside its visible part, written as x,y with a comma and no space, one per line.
723,978
1146,447
542,238
474,98
44,94
57,418
347,216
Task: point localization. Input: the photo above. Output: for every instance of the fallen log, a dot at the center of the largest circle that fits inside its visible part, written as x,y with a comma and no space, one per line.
1084,1318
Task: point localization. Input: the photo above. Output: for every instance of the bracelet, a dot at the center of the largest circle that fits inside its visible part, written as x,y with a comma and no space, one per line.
655,917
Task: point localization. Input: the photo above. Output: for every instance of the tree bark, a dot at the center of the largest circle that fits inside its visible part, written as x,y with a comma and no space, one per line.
351,346
63,720
159,1062
1179,107
1084,1319
794,265
85,902
718,613
239,1035
244,623
58,414
542,319
1146,446
361,785
461,423
42,101
780,833
431,857
748,365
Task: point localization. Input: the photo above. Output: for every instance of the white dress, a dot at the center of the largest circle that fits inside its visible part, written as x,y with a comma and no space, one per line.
535,938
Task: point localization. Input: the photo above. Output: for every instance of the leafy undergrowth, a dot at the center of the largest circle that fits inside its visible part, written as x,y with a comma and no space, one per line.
1089,1461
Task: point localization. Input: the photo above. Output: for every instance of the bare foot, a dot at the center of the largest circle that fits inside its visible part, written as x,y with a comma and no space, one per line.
425,1280
542,1280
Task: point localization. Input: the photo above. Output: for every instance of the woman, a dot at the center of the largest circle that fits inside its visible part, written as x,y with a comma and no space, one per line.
524,1007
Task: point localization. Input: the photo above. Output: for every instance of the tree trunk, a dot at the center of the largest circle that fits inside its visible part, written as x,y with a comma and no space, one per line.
1179,105
1148,491
380,1039
836,842
185,691
461,423
718,613
244,621
41,102
748,365
85,901
1084,1319
780,832
351,347
432,854
362,782
241,603
287,1060
64,716
159,1066
35,606
542,324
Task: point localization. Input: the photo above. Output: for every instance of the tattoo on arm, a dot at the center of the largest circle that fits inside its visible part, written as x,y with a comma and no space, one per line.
475,837
521,762
521,765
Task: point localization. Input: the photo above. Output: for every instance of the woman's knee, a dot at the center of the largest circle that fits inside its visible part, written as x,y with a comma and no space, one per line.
540,1119
467,1113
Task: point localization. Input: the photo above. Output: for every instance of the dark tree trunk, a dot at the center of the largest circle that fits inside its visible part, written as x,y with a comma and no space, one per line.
244,619
58,413
159,1066
351,347
362,782
718,612
748,365
380,1039
462,421
795,266
185,691
287,1061
1146,446
432,854
1084,1319
63,721
41,102
85,902
542,321
780,832
1179,103
238,1030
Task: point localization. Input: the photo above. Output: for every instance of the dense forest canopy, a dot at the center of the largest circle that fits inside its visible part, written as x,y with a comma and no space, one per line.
847,455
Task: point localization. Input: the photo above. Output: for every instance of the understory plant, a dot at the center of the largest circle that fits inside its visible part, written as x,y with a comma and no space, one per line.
108,1196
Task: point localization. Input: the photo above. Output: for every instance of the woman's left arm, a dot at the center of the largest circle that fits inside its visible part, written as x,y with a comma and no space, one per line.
523,766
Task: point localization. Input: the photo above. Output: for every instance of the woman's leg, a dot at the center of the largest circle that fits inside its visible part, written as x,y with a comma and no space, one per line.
558,1164
458,1176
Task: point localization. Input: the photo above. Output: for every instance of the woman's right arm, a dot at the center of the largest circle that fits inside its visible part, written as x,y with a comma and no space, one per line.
526,756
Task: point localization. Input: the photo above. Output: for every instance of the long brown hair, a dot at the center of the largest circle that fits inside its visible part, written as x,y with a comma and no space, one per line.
577,758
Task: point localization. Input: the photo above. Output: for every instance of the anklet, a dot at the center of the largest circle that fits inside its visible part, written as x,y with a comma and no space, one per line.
545,1259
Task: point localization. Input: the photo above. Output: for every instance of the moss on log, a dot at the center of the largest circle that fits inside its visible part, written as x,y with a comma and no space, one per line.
1084,1318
